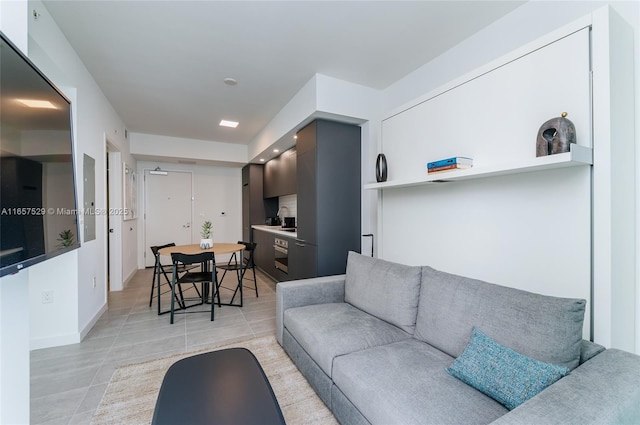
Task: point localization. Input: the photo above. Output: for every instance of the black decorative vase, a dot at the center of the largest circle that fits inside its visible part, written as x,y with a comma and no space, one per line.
381,168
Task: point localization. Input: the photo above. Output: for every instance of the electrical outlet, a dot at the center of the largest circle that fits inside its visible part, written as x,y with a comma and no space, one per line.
94,281
47,297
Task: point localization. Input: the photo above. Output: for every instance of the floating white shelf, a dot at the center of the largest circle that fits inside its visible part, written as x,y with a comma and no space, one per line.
578,155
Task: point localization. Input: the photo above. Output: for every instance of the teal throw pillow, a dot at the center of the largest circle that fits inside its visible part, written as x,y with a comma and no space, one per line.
503,374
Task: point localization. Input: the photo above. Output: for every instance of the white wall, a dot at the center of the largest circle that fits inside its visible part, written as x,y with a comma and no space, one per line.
370,198
216,190
13,22
127,229
321,97
93,119
123,263
172,149
529,231
285,124
14,290
52,325
14,349
614,183
529,22
129,238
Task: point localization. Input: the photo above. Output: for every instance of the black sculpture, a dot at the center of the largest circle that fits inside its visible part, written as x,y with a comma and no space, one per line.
381,168
555,136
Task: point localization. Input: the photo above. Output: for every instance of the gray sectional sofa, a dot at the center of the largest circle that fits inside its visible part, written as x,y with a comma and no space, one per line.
378,345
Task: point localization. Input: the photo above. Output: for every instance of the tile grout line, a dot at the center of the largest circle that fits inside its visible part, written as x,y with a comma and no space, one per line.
120,327
132,306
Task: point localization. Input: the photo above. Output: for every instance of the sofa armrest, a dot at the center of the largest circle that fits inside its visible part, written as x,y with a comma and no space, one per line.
603,390
298,293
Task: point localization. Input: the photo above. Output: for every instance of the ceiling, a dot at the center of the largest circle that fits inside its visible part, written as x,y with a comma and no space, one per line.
162,64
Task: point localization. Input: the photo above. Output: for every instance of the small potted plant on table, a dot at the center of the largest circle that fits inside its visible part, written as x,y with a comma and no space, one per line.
206,242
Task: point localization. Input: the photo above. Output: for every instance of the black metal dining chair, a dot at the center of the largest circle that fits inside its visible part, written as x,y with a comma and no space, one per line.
160,272
241,268
207,275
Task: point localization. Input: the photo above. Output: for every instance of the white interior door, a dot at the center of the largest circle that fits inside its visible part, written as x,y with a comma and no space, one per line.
168,210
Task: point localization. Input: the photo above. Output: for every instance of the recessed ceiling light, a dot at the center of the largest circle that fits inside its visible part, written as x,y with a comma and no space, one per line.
295,136
261,159
33,103
230,81
225,123
276,150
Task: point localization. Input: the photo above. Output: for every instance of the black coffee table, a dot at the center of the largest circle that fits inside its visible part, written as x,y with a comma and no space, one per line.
220,387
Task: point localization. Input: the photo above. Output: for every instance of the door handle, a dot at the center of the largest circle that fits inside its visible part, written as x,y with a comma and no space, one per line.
110,230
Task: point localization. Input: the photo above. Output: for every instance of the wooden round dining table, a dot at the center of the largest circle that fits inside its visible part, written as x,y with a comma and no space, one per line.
217,248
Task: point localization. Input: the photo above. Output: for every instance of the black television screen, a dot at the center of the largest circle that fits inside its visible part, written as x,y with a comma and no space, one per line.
37,181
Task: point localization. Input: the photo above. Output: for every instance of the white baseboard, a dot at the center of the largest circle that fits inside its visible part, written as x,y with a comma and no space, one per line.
128,278
93,321
54,341
66,339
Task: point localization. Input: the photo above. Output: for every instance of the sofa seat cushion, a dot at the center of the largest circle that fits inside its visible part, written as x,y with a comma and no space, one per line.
546,328
325,331
387,290
406,383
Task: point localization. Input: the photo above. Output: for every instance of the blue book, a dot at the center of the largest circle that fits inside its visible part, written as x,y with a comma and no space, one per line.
450,161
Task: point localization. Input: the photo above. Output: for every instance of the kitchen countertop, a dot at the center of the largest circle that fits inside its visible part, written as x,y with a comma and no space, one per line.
275,229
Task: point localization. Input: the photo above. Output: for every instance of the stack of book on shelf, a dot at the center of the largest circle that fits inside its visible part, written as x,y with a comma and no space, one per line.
449,164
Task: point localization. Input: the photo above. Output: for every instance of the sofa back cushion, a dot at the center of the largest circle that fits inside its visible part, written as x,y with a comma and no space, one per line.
386,290
546,328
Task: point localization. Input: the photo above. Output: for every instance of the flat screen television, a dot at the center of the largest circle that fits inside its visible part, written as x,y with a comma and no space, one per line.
38,202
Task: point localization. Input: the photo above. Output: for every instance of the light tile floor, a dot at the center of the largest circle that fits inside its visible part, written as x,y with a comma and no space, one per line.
68,382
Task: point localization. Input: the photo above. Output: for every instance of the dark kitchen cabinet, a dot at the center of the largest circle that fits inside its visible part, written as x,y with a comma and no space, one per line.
280,175
328,178
291,185
303,261
272,178
264,256
253,207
